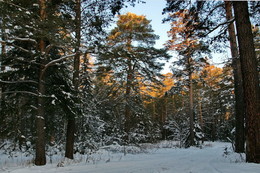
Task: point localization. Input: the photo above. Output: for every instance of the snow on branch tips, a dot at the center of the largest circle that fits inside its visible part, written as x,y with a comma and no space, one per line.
56,61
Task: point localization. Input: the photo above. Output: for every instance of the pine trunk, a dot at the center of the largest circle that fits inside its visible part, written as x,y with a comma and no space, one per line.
3,46
3,52
250,80
128,91
239,93
191,111
127,96
200,111
70,137
40,158
71,126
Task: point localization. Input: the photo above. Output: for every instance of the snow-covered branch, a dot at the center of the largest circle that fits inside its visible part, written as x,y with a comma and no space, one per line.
13,45
22,92
25,39
20,8
14,82
53,62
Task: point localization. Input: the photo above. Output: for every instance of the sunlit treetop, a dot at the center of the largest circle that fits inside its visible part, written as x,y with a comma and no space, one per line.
132,28
182,31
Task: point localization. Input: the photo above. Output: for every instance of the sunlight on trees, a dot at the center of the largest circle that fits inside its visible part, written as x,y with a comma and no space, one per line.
67,84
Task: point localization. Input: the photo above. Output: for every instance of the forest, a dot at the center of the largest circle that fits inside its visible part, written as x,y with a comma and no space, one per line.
78,75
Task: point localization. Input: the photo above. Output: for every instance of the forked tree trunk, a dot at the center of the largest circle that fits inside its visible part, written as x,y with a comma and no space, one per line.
250,80
239,93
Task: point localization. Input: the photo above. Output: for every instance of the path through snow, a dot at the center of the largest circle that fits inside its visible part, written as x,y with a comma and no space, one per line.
210,159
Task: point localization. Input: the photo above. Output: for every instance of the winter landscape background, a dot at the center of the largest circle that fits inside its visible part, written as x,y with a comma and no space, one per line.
90,86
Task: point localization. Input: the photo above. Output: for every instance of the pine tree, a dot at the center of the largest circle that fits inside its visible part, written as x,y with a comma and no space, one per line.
185,42
131,58
34,50
91,19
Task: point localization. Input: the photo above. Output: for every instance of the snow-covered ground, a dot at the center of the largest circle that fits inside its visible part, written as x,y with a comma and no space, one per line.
214,157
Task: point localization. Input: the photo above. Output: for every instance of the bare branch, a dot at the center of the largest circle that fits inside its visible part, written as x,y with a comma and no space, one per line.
221,24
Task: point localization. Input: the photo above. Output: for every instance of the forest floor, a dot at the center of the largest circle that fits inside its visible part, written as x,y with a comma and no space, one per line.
212,157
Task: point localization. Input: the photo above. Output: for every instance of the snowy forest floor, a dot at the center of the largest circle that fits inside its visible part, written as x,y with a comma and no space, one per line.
212,157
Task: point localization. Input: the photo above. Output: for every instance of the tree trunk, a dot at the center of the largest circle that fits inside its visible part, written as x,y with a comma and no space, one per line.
250,80
71,126
3,52
200,111
127,96
239,93
70,137
191,111
40,158
3,46
128,91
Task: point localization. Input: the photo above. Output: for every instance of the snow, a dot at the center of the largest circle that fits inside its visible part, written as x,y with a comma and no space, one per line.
214,157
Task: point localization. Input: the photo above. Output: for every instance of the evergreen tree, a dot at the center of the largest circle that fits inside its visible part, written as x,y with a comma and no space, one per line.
131,58
185,41
34,46
91,19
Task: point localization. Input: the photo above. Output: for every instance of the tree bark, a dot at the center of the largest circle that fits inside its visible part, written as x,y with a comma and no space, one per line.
127,97
250,80
71,126
3,53
40,158
239,93
128,91
191,110
3,46
70,137
200,110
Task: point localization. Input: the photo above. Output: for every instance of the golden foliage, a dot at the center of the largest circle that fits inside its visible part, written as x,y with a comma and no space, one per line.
158,90
212,75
